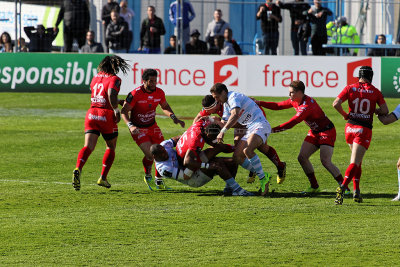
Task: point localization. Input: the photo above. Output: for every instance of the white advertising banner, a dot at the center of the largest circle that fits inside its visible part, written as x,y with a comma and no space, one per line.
252,75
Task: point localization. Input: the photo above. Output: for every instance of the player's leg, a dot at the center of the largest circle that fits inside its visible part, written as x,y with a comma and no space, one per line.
91,137
238,134
147,162
397,198
306,150
108,158
271,153
255,141
326,153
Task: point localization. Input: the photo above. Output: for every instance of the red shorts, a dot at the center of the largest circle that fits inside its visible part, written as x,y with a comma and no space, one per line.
102,120
327,137
150,134
358,134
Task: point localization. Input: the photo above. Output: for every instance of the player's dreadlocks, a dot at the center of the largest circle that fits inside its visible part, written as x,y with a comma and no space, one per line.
113,64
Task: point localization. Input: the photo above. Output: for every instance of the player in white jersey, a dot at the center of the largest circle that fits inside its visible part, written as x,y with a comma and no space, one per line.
167,165
239,108
387,119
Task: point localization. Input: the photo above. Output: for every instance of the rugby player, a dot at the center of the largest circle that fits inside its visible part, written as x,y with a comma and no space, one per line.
239,108
102,117
139,113
322,133
362,98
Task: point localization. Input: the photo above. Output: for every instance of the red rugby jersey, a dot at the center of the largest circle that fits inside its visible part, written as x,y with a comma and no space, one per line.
99,87
144,104
192,139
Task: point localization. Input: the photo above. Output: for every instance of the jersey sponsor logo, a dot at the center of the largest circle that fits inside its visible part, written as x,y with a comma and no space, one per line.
227,71
354,130
142,101
98,100
150,97
359,116
353,67
97,117
147,117
129,98
362,90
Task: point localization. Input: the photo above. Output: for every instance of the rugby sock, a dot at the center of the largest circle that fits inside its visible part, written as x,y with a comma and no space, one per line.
273,156
232,184
339,179
108,160
83,155
147,164
247,165
256,163
398,178
349,174
312,179
356,179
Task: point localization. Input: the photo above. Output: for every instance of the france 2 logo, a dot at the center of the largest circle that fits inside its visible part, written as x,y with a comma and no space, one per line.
352,66
226,71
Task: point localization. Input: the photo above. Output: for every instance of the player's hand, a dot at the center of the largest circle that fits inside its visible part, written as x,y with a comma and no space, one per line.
134,130
220,138
182,123
117,114
121,102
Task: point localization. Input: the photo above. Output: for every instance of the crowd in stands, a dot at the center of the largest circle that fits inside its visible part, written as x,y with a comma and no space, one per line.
308,26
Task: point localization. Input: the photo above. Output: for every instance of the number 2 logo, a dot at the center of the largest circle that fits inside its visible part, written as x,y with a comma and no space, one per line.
227,71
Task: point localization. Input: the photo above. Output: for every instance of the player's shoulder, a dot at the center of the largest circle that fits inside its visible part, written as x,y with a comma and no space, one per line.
159,92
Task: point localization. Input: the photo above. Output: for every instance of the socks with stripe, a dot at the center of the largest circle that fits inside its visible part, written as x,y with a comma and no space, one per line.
349,174
232,184
108,160
247,165
83,155
256,164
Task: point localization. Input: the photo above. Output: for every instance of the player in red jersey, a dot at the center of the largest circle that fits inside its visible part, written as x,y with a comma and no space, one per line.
139,113
211,106
102,117
198,162
322,133
362,98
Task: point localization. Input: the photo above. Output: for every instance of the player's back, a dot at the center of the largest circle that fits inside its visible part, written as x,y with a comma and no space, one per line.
315,118
362,99
99,87
250,112
191,139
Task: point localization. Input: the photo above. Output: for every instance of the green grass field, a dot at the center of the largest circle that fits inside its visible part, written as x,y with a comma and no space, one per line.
43,221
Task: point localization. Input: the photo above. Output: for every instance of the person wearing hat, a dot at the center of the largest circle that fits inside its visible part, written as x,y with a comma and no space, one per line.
195,45
343,33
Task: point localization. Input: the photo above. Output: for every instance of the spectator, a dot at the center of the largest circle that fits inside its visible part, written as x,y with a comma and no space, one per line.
216,27
345,34
228,39
5,43
40,39
219,48
76,16
378,52
299,24
318,15
116,33
187,17
91,46
106,15
150,33
270,16
22,45
172,48
196,46
127,14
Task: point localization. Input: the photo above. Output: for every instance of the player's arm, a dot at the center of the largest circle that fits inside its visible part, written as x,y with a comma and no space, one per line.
389,118
274,105
126,108
337,104
190,163
233,118
296,119
168,111
175,139
113,98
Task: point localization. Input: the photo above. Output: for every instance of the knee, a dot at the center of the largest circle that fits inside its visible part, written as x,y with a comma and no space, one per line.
248,152
301,158
238,158
326,163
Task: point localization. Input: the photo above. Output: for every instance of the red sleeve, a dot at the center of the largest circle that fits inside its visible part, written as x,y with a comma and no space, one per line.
344,94
204,113
131,99
276,106
296,119
162,96
115,83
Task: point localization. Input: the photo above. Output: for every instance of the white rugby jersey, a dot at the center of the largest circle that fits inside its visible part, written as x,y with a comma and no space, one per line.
250,112
169,168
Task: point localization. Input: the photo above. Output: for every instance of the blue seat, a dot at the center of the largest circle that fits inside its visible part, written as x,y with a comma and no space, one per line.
250,48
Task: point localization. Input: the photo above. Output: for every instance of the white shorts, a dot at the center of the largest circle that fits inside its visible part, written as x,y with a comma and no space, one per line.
198,179
262,129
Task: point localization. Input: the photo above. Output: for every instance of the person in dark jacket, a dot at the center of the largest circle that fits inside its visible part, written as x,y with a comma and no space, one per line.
91,46
76,16
117,33
40,39
270,16
195,45
106,15
299,24
319,36
172,48
150,32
